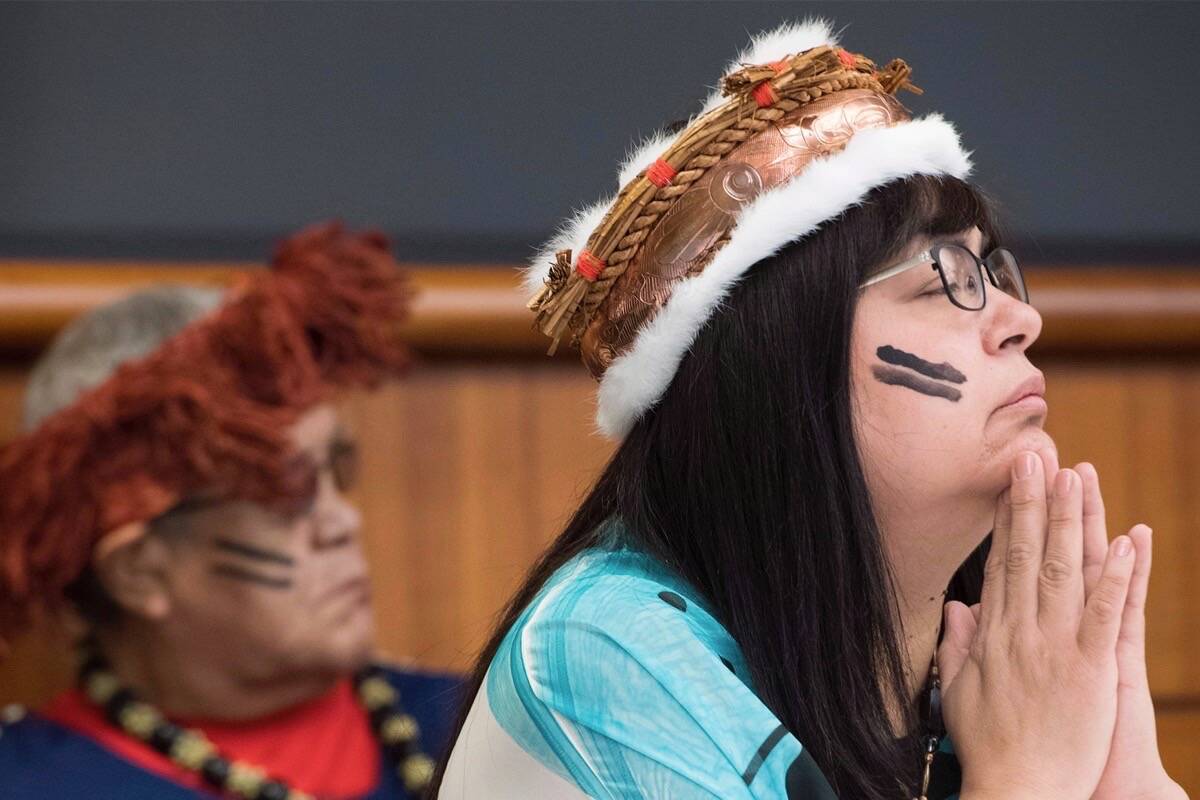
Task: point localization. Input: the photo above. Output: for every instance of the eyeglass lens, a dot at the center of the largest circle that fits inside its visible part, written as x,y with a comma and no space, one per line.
964,281
961,277
1006,274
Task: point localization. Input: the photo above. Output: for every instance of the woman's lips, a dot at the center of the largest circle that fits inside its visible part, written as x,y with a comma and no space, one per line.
1029,395
1029,403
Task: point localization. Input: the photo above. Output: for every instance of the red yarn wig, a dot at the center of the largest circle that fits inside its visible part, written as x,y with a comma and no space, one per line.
208,410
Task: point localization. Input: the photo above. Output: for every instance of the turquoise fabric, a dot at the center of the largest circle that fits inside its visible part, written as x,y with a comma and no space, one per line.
618,678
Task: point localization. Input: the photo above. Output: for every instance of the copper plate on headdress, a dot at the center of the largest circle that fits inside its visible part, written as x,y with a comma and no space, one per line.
691,232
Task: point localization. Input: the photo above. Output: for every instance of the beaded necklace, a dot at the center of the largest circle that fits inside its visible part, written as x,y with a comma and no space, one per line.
191,749
934,727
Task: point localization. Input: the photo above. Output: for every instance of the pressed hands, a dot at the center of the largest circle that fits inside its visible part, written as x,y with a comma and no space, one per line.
1044,681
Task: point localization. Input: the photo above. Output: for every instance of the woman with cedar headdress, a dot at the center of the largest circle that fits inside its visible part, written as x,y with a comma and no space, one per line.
811,347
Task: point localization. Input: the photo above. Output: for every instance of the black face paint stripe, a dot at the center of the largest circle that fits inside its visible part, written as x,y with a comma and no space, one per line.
239,574
941,372
256,553
896,377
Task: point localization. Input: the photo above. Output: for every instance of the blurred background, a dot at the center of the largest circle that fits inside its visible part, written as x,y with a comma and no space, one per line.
175,142
201,130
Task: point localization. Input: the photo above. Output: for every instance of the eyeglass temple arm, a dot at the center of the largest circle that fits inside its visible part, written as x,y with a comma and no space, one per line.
920,258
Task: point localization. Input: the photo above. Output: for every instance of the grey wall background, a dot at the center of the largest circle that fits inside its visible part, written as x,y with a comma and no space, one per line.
467,130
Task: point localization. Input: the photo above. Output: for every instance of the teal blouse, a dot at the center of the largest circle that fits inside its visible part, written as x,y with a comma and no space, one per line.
621,682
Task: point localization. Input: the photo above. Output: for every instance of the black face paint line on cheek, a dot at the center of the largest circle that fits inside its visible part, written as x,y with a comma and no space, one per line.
895,377
941,372
254,553
249,576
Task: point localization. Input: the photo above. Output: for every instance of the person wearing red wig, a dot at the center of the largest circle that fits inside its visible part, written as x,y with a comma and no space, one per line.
181,486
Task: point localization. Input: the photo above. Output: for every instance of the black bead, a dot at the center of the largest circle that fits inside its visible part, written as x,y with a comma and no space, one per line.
366,673
91,665
215,770
273,790
937,726
164,736
672,599
398,752
380,716
116,704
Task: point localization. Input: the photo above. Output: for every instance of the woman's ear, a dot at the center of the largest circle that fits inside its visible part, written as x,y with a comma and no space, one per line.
132,568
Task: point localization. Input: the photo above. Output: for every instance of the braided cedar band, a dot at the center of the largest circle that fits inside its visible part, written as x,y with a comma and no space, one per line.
760,96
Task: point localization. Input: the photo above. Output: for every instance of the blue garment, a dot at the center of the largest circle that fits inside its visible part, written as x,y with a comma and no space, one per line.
42,760
620,681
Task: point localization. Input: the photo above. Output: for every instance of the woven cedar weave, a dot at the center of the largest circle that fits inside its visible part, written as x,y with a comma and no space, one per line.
570,295
208,410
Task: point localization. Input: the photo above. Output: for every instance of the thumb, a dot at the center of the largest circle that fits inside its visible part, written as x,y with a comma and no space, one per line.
956,643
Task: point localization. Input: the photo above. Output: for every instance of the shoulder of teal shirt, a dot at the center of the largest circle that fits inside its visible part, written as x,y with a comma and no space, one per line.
618,675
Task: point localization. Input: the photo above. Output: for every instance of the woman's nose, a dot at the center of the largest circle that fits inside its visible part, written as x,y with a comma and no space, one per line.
1011,323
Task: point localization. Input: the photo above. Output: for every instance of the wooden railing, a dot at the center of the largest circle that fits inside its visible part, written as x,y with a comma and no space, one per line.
477,310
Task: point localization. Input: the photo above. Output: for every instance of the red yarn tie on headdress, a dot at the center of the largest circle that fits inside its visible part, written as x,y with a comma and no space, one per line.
764,95
589,266
660,173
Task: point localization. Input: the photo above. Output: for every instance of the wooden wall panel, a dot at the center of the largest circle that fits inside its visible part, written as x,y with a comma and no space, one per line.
40,664
1140,425
1179,745
482,463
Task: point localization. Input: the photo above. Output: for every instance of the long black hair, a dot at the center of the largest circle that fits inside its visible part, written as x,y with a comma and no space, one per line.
745,480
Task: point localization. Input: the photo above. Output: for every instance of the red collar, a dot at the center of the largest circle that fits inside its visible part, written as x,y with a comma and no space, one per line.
323,747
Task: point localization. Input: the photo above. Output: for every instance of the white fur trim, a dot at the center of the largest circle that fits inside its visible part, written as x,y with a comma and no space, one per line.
643,156
635,381
572,234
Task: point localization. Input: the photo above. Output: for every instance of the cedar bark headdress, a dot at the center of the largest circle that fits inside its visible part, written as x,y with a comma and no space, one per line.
208,410
800,130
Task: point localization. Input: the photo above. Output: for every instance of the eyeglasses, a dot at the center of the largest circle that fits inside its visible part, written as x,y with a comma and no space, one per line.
962,274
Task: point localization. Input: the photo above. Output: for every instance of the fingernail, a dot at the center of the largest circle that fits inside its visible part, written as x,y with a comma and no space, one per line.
1025,465
1064,481
1123,546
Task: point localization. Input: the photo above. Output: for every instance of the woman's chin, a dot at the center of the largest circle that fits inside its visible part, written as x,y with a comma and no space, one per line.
1029,437
995,464
1033,437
